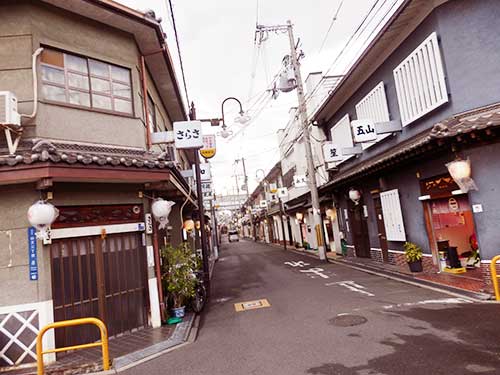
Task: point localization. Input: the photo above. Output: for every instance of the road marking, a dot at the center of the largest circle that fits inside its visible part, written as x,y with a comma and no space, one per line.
430,302
352,286
316,271
251,305
299,263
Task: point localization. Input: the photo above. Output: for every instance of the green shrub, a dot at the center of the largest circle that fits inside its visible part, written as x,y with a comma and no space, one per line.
413,252
178,264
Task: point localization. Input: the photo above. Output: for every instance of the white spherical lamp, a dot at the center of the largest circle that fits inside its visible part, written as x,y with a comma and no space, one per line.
459,169
41,215
354,195
161,210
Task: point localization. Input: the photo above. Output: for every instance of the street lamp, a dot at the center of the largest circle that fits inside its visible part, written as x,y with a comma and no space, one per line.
242,118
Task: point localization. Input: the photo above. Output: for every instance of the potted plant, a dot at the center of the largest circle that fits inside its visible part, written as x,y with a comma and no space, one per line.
413,255
177,276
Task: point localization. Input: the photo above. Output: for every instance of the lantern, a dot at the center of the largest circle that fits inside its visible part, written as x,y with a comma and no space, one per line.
354,195
188,225
198,224
41,215
460,171
161,209
331,213
299,216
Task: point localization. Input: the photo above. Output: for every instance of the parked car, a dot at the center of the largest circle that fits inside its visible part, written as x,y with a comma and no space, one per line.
233,236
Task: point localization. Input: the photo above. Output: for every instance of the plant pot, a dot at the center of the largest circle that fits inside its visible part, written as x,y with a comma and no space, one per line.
416,266
178,312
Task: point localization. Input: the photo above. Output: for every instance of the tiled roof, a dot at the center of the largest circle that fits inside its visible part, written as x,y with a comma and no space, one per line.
479,119
39,150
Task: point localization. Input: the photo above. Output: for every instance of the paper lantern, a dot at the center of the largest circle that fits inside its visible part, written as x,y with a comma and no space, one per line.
189,225
41,215
354,195
161,210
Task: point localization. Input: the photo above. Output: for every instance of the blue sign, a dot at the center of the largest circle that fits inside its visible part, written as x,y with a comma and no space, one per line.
33,262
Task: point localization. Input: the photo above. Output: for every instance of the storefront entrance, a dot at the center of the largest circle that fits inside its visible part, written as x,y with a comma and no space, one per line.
359,230
96,274
450,225
103,278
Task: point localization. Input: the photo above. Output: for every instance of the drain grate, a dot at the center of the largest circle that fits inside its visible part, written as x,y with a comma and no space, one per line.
347,320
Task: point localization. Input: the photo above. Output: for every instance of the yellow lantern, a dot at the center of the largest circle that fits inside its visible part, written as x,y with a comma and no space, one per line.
188,225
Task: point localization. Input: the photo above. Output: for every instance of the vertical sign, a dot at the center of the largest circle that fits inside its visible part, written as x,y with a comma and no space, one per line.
33,262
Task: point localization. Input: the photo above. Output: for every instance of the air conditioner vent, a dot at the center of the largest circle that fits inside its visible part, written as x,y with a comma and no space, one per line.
8,109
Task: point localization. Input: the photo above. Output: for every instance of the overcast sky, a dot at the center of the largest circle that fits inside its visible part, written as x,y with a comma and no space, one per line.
218,51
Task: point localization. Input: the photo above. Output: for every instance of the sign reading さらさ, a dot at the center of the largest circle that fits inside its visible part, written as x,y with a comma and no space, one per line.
187,134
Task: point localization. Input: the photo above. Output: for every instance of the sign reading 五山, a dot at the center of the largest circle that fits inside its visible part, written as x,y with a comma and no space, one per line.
363,130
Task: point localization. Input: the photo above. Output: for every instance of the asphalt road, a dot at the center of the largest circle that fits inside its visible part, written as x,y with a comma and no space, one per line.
330,321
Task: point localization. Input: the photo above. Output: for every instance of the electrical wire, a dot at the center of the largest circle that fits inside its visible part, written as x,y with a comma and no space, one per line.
330,27
346,45
178,50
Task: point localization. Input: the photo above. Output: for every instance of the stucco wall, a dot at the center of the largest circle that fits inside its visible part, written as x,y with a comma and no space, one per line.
467,30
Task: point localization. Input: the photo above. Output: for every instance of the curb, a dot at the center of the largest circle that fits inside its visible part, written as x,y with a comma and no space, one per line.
185,333
401,279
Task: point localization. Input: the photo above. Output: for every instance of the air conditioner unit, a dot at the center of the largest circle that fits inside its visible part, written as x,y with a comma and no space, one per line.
8,109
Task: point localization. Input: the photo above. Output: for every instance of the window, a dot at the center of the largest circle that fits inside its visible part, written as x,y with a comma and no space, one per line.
374,107
393,217
342,136
420,82
85,82
152,123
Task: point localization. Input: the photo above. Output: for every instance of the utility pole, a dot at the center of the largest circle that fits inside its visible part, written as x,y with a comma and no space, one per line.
305,128
201,212
248,193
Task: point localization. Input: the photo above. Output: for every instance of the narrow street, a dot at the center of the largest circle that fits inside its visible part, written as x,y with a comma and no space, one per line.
329,319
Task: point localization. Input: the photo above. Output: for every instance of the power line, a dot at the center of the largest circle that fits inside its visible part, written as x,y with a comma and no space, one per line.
330,27
178,50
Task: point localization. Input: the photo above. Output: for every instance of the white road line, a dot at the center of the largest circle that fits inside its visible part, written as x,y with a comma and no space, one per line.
352,286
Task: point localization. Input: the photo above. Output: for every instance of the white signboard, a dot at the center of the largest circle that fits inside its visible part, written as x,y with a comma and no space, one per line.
208,196
282,192
206,187
204,172
273,187
332,152
300,180
363,130
148,220
263,203
188,134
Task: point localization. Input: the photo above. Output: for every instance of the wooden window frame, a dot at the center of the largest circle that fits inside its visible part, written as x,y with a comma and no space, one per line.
67,88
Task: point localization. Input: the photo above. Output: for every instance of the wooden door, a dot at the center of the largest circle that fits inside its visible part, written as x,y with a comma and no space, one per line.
381,229
359,229
106,279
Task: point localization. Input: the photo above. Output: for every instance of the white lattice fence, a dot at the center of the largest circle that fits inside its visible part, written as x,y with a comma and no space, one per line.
18,331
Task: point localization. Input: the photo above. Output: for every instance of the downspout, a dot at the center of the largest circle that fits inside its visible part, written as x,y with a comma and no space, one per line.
156,251
35,83
145,101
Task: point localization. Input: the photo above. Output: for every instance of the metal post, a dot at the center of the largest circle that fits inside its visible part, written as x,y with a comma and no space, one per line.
252,229
307,141
282,223
201,212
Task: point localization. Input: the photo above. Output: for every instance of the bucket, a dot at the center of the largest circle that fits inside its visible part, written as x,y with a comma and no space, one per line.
178,312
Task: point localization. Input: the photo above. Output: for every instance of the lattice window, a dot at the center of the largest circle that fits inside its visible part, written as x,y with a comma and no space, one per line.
420,81
18,331
342,136
374,107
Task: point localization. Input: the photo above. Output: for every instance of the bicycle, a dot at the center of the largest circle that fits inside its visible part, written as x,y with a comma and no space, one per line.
200,295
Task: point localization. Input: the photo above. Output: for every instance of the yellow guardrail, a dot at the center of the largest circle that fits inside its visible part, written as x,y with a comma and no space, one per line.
69,323
494,276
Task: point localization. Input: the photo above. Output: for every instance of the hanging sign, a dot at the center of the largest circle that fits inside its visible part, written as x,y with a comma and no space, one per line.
263,203
32,258
206,187
363,131
300,180
188,134
273,188
204,172
208,150
282,192
332,152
